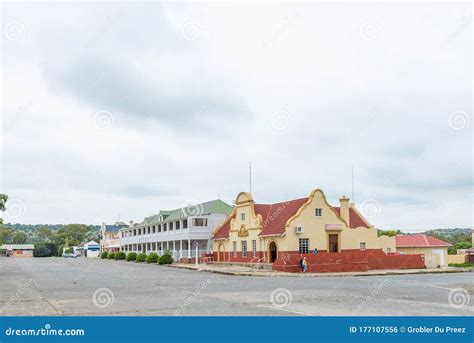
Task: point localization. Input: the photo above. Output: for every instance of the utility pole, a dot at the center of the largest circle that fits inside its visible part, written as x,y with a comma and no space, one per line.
250,176
353,200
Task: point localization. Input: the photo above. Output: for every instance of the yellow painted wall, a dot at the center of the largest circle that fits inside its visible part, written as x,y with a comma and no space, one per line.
388,244
456,258
314,228
434,257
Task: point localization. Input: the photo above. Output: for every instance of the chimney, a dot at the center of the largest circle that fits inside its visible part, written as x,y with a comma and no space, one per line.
345,209
131,223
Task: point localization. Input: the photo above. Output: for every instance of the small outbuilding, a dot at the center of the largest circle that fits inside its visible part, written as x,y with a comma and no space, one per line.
91,249
434,251
17,250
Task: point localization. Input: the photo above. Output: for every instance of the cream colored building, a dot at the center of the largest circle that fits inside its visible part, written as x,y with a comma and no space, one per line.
434,251
263,232
110,236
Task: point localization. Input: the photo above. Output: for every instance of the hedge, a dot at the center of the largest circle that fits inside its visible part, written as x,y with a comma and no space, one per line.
41,252
120,255
166,259
141,257
104,254
111,256
132,256
152,258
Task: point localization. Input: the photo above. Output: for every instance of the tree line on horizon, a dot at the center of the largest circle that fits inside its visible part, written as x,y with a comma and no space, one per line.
49,239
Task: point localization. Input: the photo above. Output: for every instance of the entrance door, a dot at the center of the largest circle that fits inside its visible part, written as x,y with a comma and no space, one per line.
333,242
221,253
273,252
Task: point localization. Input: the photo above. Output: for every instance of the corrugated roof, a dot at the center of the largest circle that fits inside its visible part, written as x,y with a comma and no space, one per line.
409,241
211,207
114,228
17,246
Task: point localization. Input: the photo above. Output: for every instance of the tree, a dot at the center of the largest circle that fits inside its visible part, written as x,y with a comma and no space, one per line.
44,234
71,234
6,235
20,238
453,250
3,201
389,233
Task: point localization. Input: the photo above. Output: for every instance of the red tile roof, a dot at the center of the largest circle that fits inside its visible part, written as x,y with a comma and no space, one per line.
275,216
223,232
419,241
355,220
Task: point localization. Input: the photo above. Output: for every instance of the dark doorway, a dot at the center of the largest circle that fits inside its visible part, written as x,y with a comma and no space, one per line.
273,252
333,243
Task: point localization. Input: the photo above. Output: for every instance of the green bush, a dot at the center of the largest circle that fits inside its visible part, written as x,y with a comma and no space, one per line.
141,257
120,255
166,258
111,256
45,249
41,252
152,258
104,254
132,256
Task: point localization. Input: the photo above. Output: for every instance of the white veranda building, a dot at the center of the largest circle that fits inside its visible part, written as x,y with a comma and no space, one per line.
178,231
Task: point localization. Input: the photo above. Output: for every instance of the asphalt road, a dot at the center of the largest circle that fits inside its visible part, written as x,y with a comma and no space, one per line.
59,286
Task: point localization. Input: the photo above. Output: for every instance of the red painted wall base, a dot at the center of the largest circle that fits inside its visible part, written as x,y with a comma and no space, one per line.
324,262
347,261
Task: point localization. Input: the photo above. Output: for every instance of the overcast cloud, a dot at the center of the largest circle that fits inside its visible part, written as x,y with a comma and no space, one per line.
113,111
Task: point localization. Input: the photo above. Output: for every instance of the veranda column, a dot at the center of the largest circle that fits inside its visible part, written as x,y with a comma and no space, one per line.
168,245
180,248
174,247
189,248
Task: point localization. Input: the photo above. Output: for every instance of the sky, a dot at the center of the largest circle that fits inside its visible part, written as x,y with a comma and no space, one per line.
114,111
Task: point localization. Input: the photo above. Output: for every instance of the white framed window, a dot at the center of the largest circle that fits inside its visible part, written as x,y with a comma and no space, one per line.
244,248
303,245
389,250
318,212
235,249
199,221
242,216
362,246
254,248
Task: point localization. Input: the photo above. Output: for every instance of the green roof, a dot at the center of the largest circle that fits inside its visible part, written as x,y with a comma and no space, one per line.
211,207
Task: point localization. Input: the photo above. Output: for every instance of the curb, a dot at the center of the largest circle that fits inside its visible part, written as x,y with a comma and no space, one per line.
276,274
